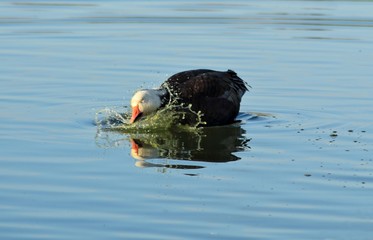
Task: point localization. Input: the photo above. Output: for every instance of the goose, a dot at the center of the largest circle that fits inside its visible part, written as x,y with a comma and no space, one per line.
215,94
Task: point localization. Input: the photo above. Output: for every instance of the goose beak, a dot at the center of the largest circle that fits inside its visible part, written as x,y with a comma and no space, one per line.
136,113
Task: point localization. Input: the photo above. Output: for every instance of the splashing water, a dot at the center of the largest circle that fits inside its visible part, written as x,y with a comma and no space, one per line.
166,119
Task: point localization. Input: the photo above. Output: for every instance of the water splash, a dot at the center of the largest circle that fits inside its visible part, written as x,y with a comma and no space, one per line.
169,118
107,118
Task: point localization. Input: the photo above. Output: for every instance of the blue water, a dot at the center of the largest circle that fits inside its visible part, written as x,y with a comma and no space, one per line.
299,166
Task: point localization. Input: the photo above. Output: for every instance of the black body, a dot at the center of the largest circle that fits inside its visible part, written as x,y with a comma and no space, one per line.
216,94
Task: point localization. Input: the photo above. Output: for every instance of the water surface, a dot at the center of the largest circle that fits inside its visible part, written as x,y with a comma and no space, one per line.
301,170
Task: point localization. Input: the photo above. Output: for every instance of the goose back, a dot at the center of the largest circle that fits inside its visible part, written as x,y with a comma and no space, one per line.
216,94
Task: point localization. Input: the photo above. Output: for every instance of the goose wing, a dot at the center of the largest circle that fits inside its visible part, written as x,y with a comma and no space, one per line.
173,83
216,94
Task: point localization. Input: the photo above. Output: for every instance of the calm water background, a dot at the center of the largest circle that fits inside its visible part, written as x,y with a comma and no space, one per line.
305,174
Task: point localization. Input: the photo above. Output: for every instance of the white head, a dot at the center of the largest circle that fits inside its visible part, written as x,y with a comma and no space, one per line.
145,102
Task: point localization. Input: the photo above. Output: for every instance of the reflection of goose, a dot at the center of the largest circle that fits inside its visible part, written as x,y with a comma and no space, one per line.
211,145
217,95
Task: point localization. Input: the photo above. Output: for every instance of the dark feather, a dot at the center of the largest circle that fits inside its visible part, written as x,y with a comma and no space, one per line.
216,94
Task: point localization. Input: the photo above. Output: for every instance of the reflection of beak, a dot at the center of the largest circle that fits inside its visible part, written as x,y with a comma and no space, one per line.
134,147
135,150
136,114
141,152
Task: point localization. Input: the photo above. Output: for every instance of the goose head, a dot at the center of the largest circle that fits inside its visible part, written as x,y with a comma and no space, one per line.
145,102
